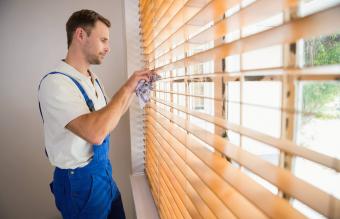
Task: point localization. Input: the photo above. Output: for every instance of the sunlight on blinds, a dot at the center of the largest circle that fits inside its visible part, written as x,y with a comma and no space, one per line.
244,122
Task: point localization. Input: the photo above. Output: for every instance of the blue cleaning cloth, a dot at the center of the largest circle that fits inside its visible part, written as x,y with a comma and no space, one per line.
144,88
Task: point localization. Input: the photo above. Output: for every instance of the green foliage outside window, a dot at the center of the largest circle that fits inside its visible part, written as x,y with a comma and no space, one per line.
318,95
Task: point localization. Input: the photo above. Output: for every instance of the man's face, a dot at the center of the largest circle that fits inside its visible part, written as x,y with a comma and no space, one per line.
96,45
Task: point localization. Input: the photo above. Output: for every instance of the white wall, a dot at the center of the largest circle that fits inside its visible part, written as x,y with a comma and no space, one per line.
32,40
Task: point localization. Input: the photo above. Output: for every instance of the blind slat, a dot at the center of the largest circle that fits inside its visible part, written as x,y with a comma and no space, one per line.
171,179
308,194
160,13
196,173
170,12
201,206
154,191
281,144
247,16
179,182
212,202
148,27
216,99
176,199
327,72
172,206
264,199
170,19
230,197
167,193
309,26
205,14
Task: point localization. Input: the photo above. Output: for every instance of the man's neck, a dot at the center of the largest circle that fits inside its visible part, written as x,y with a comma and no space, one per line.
77,62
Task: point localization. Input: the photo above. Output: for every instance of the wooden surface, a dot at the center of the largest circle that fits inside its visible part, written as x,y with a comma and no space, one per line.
194,173
286,33
283,179
281,144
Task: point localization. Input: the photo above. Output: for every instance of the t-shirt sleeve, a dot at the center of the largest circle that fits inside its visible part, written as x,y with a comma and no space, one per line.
60,100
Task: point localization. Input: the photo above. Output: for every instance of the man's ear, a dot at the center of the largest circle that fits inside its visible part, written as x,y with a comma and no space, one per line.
80,34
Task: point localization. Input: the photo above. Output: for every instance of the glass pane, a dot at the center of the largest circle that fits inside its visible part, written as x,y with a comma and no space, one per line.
304,209
233,10
179,88
209,147
234,138
269,57
327,180
232,63
307,7
233,102
261,181
179,72
202,124
322,50
201,68
263,25
318,129
204,89
264,151
196,48
262,106
204,105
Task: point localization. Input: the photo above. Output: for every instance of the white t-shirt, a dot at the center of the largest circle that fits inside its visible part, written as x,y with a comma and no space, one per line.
61,101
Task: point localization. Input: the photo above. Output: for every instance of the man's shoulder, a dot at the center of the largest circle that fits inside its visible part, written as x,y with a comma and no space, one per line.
58,73
53,79
55,85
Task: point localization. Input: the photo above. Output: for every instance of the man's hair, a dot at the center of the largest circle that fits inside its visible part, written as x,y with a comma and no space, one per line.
85,19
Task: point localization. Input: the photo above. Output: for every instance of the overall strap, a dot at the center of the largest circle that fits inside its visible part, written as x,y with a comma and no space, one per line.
88,101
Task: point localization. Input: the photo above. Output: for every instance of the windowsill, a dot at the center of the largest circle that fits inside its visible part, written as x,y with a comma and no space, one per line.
144,203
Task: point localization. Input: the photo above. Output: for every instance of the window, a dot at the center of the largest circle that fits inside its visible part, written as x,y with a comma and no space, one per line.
248,105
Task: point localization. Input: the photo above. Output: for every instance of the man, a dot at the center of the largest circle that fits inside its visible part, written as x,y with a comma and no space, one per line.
77,122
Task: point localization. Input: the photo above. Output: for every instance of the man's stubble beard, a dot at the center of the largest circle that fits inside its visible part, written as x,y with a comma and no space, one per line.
94,59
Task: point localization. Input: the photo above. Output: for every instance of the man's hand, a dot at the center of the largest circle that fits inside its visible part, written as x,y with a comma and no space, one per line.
132,82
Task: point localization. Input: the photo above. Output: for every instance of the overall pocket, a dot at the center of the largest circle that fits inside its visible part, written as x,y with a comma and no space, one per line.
99,202
81,191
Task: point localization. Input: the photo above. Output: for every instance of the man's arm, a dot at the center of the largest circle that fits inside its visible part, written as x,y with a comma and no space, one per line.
128,105
94,126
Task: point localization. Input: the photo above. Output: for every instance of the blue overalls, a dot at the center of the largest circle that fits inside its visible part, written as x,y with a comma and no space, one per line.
90,191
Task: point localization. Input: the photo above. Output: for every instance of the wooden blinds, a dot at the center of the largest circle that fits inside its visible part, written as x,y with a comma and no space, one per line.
224,131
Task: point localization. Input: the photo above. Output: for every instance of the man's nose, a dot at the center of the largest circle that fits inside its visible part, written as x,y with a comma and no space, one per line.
107,49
